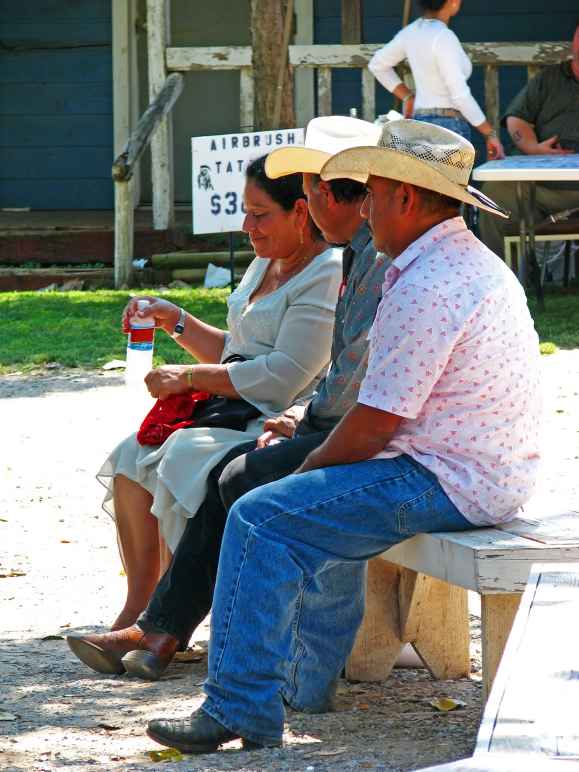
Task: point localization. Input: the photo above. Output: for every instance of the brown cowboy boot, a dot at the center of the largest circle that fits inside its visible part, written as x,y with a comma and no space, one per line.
104,653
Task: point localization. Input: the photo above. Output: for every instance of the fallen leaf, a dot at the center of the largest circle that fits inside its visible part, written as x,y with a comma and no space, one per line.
52,638
8,716
446,703
63,626
363,706
335,752
170,754
12,573
65,541
114,364
109,727
3,520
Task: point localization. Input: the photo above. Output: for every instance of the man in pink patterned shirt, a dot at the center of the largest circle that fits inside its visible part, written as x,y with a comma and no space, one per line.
444,436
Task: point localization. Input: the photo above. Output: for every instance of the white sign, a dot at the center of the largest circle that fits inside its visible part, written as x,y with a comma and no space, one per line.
219,174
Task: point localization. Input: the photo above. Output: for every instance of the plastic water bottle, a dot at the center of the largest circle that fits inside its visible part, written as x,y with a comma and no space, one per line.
139,347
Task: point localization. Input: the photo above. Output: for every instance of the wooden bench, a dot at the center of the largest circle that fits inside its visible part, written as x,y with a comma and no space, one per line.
530,719
417,592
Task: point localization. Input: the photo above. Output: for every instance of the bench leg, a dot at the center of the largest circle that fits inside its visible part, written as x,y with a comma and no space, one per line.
434,618
497,615
378,641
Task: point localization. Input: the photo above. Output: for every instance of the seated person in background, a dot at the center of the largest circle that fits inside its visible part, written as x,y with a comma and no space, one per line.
444,436
280,321
542,120
184,595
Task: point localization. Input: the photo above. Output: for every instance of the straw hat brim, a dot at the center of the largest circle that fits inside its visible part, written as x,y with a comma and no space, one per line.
359,163
291,160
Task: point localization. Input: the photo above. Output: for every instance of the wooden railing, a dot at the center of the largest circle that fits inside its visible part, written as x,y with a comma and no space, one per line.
324,58
164,59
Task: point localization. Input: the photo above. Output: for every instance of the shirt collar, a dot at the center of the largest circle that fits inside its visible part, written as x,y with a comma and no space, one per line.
424,243
361,237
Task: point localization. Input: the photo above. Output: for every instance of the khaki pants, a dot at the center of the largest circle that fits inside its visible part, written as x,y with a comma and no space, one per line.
549,198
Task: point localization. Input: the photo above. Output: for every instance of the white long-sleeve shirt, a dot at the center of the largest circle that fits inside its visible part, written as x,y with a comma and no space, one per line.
439,66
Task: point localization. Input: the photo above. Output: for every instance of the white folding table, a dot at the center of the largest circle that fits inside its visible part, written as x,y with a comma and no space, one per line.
525,171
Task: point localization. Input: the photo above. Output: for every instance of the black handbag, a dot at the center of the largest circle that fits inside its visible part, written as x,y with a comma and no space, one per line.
226,412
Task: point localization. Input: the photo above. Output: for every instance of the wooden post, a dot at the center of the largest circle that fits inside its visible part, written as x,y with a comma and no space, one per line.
492,95
406,13
124,214
378,642
497,615
162,141
246,99
351,21
368,95
324,91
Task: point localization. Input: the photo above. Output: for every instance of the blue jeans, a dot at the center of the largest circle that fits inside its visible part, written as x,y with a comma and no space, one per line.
458,125
273,626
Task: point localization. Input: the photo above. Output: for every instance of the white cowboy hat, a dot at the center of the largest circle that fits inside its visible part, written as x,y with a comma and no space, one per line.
419,153
324,137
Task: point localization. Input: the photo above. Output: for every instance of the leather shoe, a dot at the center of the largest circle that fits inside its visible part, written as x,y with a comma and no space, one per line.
104,653
198,734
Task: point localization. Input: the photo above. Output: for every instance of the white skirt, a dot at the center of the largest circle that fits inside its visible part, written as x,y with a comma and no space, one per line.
174,473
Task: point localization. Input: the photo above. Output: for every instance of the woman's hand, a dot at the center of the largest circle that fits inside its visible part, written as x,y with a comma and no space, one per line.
168,379
165,313
268,438
495,149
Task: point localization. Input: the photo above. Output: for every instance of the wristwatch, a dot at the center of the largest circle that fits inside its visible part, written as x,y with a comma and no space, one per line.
180,326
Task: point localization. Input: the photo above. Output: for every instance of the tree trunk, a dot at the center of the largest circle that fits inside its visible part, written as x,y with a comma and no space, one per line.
269,56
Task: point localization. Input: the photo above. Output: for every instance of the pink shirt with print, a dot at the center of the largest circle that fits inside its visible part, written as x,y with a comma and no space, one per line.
454,352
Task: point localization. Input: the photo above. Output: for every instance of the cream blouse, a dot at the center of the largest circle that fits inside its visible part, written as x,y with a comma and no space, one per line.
285,335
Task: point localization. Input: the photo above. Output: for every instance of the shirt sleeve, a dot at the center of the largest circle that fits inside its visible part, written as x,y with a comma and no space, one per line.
382,64
448,54
527,104
273,381
411,341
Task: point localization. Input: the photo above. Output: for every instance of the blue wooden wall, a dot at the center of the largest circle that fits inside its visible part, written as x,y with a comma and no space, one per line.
56,127
517,20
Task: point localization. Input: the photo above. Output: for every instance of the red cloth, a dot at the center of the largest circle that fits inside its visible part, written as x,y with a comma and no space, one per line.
168,415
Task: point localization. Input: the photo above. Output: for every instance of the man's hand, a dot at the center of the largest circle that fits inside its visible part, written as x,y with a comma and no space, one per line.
167,380
550,146
269,438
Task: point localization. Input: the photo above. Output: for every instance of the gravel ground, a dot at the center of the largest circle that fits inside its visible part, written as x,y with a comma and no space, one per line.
59,571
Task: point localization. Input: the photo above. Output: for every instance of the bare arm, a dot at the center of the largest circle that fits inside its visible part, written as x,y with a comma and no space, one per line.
362,433
524,137
177,379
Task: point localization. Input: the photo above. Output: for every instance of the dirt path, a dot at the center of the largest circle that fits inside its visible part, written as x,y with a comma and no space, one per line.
59,571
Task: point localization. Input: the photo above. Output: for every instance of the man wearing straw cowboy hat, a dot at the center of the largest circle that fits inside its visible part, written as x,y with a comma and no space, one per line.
444,436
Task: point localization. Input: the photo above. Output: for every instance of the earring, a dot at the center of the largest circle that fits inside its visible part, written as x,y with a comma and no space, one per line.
302,238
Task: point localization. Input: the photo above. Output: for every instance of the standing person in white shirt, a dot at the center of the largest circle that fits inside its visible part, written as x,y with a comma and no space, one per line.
440,69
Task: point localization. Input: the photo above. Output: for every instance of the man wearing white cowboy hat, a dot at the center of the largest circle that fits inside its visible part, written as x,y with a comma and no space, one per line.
444,436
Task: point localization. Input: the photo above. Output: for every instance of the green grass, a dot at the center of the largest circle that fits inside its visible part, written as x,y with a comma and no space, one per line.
82,329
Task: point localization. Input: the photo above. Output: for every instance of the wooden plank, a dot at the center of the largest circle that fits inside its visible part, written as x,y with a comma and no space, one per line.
497,615
495,762
324,91
162,140
124,230
351,21
335,55
124,165
533,703
287,26
208,58
368,95
378,640
492,101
